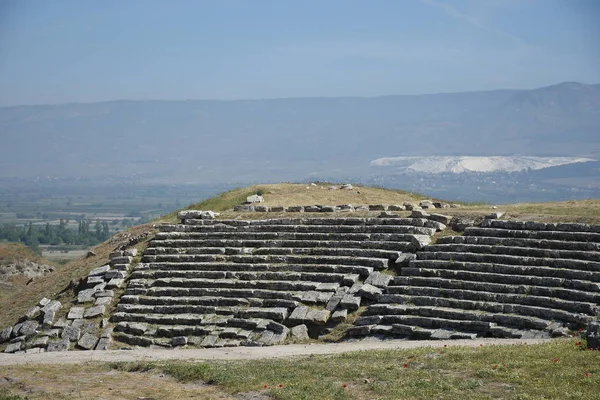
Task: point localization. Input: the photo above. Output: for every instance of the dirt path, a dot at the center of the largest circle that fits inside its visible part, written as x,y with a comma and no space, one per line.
243,353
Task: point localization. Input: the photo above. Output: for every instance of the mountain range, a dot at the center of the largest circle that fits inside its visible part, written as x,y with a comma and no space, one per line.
208,141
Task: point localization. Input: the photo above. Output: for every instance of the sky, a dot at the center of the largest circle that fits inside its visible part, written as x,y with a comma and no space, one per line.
63,51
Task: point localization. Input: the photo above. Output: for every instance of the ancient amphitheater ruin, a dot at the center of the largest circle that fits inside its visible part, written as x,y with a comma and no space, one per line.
210,282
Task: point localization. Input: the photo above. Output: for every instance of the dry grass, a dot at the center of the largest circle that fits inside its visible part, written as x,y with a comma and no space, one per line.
16,299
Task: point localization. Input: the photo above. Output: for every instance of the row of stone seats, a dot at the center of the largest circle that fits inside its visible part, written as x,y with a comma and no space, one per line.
503,279
232,282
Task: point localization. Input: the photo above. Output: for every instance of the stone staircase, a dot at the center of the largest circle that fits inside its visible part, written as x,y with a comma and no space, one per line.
506,279
215,283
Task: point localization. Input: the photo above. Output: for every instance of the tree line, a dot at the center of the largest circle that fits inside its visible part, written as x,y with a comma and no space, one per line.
88,233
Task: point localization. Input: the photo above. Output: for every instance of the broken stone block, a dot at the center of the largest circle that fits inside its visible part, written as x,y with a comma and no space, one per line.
100,270
339,316
70,333
94,311
300,332
317,317
58,345
115,283
32,313
5,334
76,313
88,341
41,342
350,302
60,323
103,344
28,328
13,347
378,279
43,302
179,341
370,292
86,296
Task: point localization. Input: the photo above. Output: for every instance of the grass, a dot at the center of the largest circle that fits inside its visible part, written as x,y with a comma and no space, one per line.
556,370
548,371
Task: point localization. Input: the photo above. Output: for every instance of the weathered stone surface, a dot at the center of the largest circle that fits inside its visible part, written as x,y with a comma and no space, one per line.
299,314
28,328
444,219
350,302
35,350
378,279
276,327
339,316
52,306
58,345
459,224
378,207
44,301
130,252
370,292
99,270
70,333
76,313
103,301
115,274
94,311
53,333
104,293
317,317
396,207
387,214
593,335
60,323
13,347
86,296
115,283
243,208
93,281
103,344
41,342
88,341
197,214
33,312
179,341
419,214
300,332
5,334
420,241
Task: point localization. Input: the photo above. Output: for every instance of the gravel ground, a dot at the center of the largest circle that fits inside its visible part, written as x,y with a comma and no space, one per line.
243,353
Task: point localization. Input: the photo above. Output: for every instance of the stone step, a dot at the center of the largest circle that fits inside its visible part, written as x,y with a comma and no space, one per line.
314,251
278,314
344,279
428,322
506,274
521,242
515,251
198,332
573,279
564,299
508,259
374,228
276,267
326,242
219,292
377,263
550,314
485,320
534,234
214,301
306,221
541,226
242,284
216,237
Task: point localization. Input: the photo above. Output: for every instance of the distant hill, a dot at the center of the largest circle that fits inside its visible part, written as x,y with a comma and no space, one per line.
285,139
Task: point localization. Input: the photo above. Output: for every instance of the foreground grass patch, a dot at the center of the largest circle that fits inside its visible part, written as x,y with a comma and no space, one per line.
550,371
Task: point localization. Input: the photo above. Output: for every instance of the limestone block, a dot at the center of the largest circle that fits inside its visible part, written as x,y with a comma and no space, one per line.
13,347
5,334
396,207
317,317
444,219
115,283
100,270
70,333
58,345
179,341
103,344
60,323
350,302
28,328
76,313
41,342
300,332
378,279
339,316
88,341
94,311
44,301
33,312
131,252
86,296
593,335
299,314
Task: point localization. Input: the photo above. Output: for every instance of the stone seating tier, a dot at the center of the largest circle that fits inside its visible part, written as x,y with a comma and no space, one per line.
502,279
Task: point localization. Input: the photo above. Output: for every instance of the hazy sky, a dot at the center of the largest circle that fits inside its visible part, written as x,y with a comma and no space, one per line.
77,50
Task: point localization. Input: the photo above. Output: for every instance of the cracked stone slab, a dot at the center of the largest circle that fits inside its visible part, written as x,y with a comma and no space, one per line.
76,313
87,341
94,311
